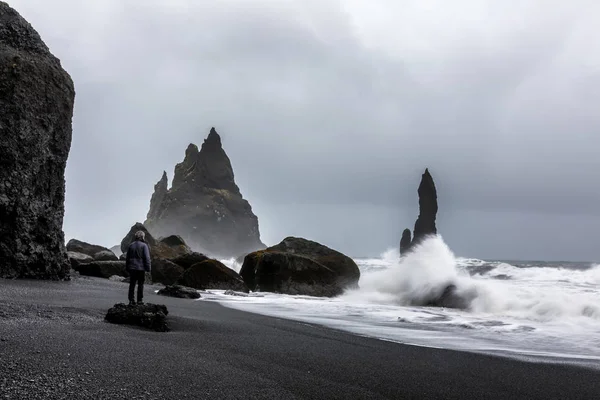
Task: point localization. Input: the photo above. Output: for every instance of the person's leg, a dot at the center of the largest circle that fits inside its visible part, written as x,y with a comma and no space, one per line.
141,279
132,281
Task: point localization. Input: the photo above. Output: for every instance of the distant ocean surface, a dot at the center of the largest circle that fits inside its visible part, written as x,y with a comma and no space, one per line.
534,310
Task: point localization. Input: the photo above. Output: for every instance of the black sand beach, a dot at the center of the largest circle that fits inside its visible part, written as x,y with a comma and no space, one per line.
54,344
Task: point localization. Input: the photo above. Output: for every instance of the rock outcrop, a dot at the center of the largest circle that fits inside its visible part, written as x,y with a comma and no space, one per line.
150,316
165,248
204,204
187,260
300,266
102,269
77,246
76,259
130,237
428,208
212,274
105,255
178,291
36,108
165,271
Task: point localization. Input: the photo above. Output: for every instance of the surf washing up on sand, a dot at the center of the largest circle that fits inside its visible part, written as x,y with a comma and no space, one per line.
532,310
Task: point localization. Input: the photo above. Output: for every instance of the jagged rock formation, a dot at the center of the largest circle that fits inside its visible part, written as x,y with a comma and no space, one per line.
204,204
300,266
36,108
428,208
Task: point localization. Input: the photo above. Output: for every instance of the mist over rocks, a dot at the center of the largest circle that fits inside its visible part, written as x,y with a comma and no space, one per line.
428,208
204,205
36,109
300,266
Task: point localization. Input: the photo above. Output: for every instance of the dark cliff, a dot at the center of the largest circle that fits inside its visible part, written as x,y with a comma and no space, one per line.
36,108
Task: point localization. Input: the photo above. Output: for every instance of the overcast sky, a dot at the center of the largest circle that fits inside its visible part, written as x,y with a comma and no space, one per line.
330,111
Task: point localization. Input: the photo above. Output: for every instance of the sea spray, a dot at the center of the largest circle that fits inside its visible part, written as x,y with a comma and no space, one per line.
425,276
432,275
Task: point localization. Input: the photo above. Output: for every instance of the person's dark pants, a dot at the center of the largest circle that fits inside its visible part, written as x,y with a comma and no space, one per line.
136,277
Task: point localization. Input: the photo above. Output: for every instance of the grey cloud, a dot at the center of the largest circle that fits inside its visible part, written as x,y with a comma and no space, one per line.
324,130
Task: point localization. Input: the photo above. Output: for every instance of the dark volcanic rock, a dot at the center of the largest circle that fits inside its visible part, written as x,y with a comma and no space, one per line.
165,271
428,208
103,269
150,316
204,204
173,240
105,255
179,291
83,247
170,247
212,274
36,108
129,238
78,258
300,266
187,260
405,241
160,191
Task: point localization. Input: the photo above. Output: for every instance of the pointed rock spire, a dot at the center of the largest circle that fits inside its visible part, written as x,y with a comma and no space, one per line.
428,208
213,140
158,197
204,204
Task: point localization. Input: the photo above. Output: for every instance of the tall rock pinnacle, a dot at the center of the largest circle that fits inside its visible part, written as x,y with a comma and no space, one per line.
428,208
204,204
36,108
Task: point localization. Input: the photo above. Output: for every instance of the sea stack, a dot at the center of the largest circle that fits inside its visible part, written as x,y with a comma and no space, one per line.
36,109
428,208
204,205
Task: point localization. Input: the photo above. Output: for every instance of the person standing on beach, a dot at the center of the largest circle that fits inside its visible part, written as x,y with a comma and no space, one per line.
137,264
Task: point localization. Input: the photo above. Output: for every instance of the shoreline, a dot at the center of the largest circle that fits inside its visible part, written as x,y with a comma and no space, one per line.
55,344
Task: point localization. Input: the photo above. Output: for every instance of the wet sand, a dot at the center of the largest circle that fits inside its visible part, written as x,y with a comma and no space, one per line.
54,344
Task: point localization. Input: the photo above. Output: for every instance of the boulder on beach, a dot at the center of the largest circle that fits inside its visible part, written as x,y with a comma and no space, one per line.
76,259
212,274
130,237
150,316
103,269
79,246
165,271
204,205
428,208
187,260
300,266
166,248
179,291
36,109
105,255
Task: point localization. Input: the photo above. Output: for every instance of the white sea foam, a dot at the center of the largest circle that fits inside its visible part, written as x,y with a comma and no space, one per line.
545,309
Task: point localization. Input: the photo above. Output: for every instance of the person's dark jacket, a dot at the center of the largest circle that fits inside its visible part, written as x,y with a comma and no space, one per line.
138,257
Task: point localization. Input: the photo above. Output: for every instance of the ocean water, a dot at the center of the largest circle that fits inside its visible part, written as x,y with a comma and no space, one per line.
531,310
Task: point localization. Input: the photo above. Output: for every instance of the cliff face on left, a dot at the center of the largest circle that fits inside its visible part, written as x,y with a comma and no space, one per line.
36,108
